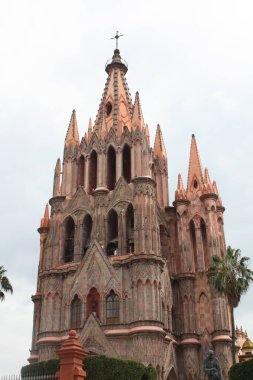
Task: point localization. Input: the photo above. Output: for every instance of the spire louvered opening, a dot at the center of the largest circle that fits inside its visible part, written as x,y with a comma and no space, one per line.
127,163
112,233
111,168
69,236
87,227
80,174
93,172
130,229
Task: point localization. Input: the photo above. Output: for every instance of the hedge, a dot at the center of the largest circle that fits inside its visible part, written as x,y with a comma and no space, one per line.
104,368
98,367
242,371
41,368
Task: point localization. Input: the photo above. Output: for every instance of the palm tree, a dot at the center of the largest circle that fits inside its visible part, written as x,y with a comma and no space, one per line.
231,277
5,285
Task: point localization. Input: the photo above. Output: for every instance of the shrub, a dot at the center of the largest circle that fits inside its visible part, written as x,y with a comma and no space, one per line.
243,370
41,368
97,367
104,368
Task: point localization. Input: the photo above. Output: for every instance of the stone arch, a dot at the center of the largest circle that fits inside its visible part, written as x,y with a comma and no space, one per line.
130,228
86,233
80,171
172,375
93,302
112,233
112,307
69,239
93,165
75,312
111,168
126,163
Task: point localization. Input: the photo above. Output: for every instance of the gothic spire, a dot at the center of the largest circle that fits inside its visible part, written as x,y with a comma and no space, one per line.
195,171
72,136
116,103
159,146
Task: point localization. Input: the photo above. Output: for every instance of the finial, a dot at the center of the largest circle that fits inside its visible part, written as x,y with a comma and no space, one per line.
116,37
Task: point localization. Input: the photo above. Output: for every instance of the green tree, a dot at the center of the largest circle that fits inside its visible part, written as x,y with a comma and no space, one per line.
5,285
231,277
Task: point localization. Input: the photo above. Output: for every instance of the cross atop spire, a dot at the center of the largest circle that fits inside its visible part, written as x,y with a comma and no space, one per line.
116,37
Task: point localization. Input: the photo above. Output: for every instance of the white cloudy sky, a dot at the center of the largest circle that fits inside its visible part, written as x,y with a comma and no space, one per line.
192,62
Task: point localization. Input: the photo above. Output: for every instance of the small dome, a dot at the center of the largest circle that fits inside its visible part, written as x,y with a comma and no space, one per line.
247,344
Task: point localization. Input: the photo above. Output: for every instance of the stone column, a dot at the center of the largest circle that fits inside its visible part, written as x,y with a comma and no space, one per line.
71,356
86,174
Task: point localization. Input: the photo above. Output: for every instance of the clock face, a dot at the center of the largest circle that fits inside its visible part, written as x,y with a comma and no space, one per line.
123,109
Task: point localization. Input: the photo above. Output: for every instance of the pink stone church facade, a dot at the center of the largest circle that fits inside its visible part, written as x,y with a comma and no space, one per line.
118,263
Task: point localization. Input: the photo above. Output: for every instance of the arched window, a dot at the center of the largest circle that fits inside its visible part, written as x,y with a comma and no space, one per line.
93,171
69,237
112,308
204,241
111,168
193,243
75,318
130,229
80,172
87,227
112,233
126,163
93,302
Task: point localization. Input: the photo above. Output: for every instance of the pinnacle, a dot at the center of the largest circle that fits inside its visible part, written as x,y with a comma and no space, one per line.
58,166
180,192
137,118
180,185
72,137
195,171
159,146
45,220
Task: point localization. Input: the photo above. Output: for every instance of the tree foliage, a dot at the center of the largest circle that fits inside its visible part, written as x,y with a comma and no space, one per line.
231,277
5,285
242,371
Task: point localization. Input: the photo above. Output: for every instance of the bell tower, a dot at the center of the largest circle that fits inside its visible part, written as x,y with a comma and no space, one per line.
119,264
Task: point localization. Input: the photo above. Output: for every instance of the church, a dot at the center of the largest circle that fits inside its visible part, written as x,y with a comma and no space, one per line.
119,263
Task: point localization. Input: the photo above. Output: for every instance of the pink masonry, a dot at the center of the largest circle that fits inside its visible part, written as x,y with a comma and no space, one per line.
71,356
120,264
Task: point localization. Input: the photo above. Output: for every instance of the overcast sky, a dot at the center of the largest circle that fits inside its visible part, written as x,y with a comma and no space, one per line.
191,61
